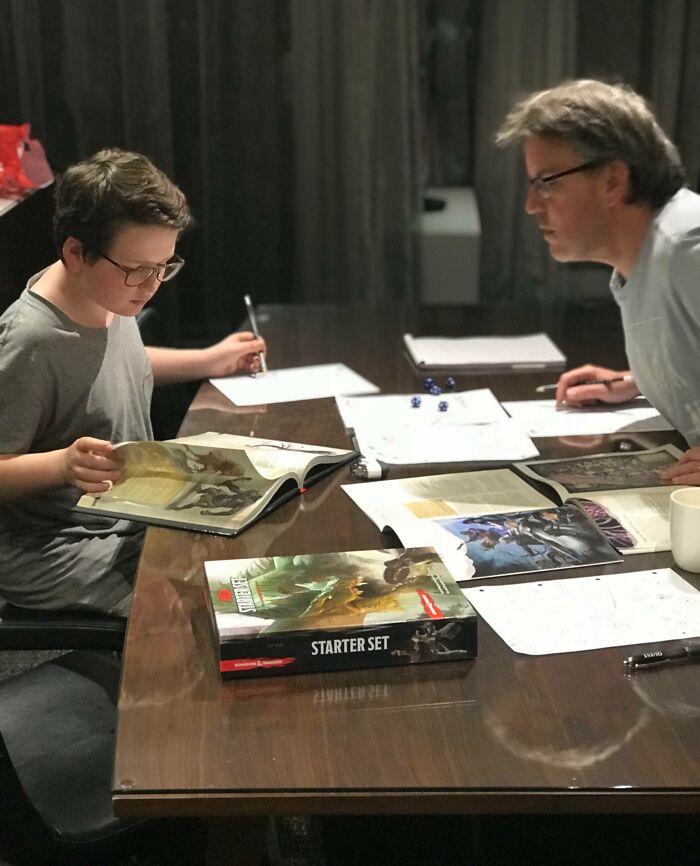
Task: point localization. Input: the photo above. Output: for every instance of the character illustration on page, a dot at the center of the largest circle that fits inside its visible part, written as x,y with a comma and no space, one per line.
608,524
179,477
287,593
528,541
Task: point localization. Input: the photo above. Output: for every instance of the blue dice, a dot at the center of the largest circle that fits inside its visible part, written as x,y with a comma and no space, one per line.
415,402
450,383
428,384
435,389
442,405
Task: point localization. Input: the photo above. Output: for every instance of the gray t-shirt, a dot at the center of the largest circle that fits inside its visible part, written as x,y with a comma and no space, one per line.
60,381
660,305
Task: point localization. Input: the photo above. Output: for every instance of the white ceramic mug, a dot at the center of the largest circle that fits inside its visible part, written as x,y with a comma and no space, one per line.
685,527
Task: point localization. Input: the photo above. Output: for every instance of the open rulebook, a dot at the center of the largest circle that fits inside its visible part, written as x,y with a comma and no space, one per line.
483,354
623,493
416,509
214,482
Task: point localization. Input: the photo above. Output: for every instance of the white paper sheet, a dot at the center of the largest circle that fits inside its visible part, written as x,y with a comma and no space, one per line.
542,418
293,383
410,444
585,613
479,406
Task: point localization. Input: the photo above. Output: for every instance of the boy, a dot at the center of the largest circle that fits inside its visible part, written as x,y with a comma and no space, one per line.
75,377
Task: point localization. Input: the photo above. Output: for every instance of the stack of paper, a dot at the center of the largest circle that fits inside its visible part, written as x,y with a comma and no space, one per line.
473,427
484,354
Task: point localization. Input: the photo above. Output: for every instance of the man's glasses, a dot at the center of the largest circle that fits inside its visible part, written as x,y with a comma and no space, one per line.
139,276
544,186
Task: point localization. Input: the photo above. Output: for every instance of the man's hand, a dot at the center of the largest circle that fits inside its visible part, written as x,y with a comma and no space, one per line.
686,471
239,352
573,392
90,465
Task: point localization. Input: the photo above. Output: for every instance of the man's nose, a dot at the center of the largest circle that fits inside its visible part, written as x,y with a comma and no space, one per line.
534,203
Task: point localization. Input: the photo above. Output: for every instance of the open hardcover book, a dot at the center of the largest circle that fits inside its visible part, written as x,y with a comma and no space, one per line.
623,493
329,611
214,482
419,510
483,354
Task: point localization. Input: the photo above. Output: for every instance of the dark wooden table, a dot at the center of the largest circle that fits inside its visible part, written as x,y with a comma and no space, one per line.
505,733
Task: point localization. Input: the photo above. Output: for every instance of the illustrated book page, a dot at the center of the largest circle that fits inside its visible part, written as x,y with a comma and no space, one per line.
213,482
413,507
525,541
623,493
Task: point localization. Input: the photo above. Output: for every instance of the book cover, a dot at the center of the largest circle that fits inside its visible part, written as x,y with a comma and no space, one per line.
526,541
213,482
623,493
331,611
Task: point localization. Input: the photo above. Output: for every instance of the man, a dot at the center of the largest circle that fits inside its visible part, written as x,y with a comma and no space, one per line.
75,378
606,185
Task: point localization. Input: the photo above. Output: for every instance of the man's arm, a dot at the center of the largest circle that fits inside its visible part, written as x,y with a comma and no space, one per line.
87,464
239,352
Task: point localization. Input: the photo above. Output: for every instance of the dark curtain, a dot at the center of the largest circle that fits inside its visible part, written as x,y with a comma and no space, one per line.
532,44
199,87
303,131
292,126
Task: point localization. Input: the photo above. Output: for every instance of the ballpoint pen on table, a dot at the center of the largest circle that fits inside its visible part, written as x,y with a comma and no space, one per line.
254,328
540,389
691,652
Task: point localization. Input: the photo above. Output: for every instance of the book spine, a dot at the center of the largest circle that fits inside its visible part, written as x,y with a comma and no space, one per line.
400,643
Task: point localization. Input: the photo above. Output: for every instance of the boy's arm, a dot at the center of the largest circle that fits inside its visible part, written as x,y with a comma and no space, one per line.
239,352
87,464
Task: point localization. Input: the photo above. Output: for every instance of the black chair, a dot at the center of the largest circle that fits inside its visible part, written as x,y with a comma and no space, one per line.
57,724
22,629
56,752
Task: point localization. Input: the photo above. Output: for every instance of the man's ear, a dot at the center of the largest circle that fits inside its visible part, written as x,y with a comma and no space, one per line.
617,181
73,254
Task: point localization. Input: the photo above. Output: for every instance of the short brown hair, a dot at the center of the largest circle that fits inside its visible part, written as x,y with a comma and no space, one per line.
110,189
603,122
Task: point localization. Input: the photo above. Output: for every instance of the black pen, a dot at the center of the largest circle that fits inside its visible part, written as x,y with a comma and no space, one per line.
540,389
254,328
655,657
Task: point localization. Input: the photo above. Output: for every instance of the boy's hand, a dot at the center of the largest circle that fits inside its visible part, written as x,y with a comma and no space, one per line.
239,352
90,465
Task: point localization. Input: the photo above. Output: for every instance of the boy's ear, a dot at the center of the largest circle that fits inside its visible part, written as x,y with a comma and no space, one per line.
73,253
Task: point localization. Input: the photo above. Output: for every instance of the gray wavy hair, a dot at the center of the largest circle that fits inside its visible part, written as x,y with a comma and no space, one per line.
602,122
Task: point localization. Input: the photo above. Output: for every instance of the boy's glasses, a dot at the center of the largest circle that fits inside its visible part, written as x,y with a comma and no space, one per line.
139,276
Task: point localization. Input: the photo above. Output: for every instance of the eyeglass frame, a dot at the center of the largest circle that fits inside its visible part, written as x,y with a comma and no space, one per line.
179,263
543,185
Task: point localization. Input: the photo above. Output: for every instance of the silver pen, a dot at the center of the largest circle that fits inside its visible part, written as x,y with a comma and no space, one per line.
254,328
